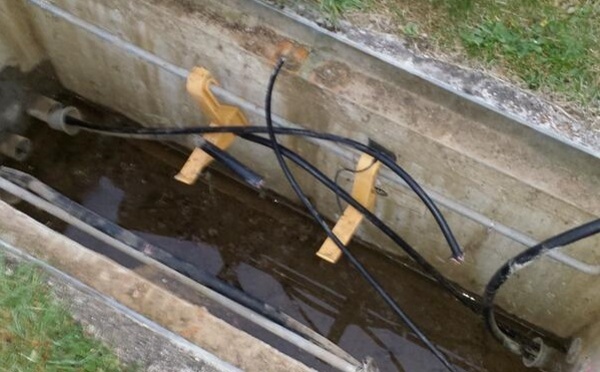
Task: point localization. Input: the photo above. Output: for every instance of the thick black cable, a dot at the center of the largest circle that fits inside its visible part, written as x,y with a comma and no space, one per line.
517,263
161,255
385,159
319,219
242,171
371,217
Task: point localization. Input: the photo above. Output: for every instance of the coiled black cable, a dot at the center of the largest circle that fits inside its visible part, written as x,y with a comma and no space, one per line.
517,263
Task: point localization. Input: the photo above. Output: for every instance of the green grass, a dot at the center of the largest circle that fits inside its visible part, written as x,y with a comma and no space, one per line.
547,45
335,8
38,334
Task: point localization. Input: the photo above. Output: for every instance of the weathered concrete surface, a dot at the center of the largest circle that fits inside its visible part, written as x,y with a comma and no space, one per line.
480,159
134,339
194,323
585,353
18,46
522,106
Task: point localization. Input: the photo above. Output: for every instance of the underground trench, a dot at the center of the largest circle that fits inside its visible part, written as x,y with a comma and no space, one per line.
499,183
254,241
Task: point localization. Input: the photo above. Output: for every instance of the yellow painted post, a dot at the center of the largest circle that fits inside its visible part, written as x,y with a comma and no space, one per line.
363,191
198,86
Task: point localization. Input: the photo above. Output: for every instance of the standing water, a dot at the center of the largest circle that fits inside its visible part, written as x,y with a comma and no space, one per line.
262,247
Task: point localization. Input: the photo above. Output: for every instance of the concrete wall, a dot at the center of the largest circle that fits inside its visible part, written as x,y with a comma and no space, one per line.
18,46
480,159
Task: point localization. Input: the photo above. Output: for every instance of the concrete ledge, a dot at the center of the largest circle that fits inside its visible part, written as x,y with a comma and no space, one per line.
134,338
483,89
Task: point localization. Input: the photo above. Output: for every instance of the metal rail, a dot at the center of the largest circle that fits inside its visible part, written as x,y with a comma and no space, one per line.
225,95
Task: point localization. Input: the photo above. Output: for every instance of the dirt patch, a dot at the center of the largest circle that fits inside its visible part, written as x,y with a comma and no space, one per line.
257,39
332,74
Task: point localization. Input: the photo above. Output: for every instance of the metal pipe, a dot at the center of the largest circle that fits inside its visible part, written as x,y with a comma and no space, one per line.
233,306
221,93
15,146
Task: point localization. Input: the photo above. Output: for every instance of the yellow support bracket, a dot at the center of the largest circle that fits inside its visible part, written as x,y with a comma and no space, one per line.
363,191
198,86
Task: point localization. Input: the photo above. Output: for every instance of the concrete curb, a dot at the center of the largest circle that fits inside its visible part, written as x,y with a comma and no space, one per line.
100,313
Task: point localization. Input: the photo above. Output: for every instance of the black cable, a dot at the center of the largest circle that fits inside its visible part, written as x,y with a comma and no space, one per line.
350,170
242,171
316,215
517,263
385,159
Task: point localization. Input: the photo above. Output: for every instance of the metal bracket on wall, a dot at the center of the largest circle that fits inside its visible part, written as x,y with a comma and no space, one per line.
363,191
199,82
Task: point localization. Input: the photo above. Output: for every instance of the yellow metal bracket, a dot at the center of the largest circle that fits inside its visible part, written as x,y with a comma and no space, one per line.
198,86
363,191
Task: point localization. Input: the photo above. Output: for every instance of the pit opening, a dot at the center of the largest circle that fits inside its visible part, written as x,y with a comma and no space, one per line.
258,242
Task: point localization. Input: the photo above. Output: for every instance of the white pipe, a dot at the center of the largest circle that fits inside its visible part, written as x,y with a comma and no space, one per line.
238,309
220,92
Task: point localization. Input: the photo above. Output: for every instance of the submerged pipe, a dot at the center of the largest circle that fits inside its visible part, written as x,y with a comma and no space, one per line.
125,236
254,317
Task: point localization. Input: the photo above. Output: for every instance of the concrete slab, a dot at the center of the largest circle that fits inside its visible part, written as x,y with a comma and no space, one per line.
135,339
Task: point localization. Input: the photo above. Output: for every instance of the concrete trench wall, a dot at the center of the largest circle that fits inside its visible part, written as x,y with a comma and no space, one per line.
482,160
